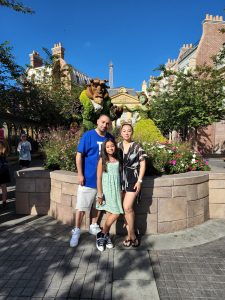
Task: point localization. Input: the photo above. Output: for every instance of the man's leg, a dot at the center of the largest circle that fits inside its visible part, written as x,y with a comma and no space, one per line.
79,217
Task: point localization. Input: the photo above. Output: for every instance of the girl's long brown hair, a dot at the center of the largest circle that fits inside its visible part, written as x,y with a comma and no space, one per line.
104,154
3,148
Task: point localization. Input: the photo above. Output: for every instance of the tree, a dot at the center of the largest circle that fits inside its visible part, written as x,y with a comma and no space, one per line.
59,89
186,100
9,70
17,6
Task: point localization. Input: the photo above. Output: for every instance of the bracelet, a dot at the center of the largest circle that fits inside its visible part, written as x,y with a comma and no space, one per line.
99,196
140,180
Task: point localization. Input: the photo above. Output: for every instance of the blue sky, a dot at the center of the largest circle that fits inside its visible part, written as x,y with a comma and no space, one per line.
137,35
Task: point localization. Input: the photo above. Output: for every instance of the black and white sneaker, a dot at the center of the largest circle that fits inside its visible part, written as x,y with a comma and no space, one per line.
100,241
109,243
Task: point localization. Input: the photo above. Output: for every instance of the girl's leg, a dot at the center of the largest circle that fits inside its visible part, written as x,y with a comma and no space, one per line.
110,219
4,193
128,202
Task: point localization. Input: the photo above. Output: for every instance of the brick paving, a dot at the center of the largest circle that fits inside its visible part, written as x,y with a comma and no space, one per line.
191,273
36,262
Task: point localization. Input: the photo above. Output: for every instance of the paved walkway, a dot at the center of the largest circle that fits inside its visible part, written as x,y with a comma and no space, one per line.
36,262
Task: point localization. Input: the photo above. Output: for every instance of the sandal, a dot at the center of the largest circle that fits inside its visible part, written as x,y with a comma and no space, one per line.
135,243
127,243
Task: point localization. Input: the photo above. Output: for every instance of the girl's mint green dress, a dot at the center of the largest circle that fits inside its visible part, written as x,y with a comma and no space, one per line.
111,189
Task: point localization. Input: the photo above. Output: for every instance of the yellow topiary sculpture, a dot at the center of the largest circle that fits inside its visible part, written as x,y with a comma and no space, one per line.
146,131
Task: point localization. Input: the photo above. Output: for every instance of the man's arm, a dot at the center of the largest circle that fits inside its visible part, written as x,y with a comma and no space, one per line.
79,164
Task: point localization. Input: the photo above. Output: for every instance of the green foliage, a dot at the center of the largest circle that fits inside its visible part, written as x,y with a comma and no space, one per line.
60,150
17,6
146,131
185,100
88,111
48,103
9,70
166,158
89,115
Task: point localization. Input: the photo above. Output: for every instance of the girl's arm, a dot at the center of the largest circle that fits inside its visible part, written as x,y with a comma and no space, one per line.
99,182
140,176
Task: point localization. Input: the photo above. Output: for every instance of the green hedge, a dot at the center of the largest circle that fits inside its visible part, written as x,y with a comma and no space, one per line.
146,131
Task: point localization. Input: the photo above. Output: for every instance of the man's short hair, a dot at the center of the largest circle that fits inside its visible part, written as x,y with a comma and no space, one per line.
104,115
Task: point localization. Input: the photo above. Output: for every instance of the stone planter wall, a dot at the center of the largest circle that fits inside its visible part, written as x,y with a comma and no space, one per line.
168,203
33,191
217,195
63,197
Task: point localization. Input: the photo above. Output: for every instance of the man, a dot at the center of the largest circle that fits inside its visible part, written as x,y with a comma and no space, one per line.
87,157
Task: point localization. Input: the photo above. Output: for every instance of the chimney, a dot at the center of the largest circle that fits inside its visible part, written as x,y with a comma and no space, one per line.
58,50
35,60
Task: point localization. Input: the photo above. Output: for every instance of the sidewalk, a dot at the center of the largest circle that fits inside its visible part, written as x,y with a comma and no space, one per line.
36,262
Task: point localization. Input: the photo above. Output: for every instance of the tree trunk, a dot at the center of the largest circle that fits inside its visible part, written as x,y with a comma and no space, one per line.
195,144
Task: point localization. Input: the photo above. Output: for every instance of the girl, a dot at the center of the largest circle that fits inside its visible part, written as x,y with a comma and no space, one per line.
109,191
4,171
133,171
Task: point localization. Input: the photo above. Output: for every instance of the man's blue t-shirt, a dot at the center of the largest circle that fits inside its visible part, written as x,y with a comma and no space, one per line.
90,146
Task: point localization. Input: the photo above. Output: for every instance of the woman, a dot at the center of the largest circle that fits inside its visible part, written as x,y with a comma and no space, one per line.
4,171
133,171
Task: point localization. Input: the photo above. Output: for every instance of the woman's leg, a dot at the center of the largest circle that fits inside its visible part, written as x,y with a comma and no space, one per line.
4,193
128,202
110,219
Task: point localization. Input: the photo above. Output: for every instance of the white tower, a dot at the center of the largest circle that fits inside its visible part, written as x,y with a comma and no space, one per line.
111,75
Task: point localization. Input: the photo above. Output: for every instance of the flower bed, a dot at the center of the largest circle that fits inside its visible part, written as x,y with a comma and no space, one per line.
60,149
174,158
163,158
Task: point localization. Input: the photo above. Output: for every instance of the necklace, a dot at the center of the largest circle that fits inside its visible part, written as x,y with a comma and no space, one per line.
112,160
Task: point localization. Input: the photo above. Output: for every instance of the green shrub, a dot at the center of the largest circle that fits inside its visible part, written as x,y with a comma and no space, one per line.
146,131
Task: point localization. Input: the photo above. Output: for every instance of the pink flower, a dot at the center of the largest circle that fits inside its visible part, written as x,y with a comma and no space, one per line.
207,162
173,162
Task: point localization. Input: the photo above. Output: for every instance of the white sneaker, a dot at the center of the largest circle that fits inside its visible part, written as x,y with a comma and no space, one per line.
94,229
75,237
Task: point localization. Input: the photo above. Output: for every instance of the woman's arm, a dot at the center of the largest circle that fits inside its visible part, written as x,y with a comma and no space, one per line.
140,176
99,182
142,169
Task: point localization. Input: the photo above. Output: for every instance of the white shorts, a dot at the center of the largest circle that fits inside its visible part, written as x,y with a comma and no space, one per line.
86,197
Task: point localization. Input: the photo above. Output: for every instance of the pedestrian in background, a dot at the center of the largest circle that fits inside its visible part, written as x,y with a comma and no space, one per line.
24,149
4,171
